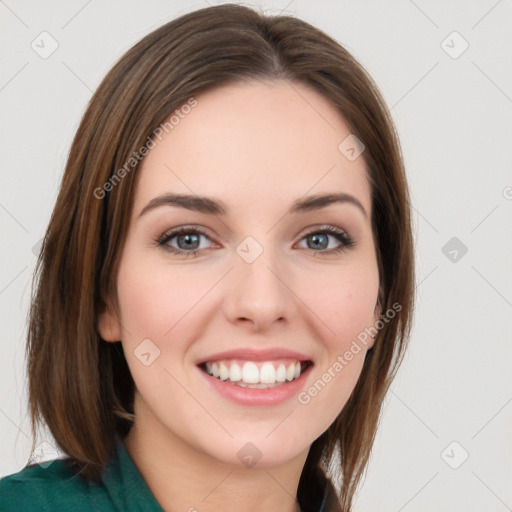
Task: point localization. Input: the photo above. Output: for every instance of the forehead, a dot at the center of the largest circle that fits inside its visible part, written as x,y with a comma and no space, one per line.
259,143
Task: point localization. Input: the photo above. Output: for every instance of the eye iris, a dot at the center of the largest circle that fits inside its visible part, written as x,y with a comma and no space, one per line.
189,239
318,239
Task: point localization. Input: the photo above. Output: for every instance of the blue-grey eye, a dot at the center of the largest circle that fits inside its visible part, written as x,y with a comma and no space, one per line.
190,241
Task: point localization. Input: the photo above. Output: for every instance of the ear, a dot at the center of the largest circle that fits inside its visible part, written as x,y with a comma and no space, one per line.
109,326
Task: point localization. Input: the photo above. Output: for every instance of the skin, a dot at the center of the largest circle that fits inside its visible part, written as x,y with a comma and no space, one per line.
256,146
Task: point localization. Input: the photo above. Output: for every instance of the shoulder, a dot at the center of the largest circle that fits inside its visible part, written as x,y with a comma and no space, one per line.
49,486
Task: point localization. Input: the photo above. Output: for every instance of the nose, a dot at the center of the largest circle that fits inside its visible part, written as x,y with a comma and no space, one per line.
257,294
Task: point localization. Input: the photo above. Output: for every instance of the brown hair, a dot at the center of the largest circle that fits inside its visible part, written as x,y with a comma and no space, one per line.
81,385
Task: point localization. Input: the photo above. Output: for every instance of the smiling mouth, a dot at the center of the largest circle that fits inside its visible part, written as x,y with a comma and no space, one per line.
256,375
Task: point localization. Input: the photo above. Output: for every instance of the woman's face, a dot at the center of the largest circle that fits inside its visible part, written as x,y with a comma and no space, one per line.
271,284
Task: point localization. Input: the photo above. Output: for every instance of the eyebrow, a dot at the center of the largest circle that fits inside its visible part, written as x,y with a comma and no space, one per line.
216,207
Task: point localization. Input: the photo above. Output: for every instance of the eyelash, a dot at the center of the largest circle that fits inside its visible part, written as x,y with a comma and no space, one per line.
346,241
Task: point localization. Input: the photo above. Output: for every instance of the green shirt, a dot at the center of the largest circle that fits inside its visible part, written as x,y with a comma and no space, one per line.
55,488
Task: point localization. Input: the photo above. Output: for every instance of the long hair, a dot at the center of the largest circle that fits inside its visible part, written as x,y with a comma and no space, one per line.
80,385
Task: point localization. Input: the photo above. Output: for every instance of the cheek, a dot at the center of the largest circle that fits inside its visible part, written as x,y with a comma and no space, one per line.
154,300
154,305
346,308
345,302
163,305
142,306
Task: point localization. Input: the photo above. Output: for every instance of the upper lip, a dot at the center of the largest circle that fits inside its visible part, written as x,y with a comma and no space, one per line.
251,354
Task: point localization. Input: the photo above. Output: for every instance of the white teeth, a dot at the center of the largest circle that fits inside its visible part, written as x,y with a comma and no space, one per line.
235,373
281,373
223,372
250,375
297,371
268,374
290,372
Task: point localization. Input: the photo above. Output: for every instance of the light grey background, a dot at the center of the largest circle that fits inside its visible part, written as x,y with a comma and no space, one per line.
454,120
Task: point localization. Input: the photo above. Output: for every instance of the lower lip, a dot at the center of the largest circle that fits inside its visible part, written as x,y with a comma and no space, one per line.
251,396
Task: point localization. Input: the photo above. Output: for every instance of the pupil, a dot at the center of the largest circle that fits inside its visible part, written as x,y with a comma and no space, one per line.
189,240
317,242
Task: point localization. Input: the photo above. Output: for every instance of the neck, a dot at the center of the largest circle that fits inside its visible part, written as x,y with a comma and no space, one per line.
181,477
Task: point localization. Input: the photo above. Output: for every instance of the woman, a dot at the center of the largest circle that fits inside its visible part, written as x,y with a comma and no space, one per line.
225,288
